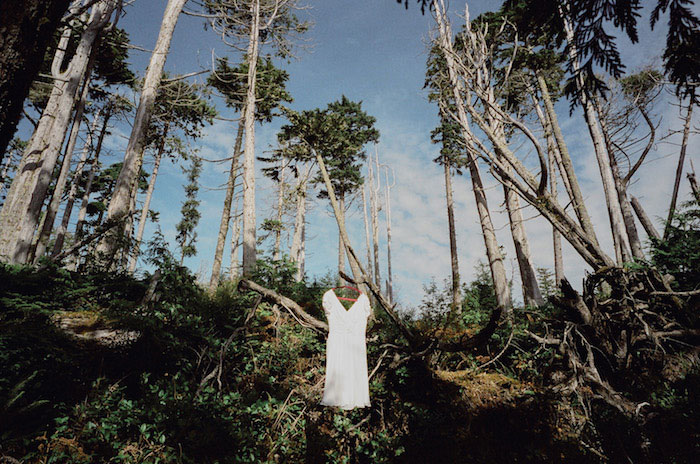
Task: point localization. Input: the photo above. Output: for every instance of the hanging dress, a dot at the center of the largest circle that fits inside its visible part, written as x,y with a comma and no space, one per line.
346,384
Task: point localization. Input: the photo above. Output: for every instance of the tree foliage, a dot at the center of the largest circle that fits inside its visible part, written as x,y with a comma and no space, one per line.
339,134
270,86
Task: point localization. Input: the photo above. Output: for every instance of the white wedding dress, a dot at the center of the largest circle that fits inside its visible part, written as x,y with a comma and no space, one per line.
346,384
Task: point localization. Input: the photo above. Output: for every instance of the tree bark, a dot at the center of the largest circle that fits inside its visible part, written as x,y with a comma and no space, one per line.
679,169
91,174
556,238
119,205
299,224
52,209
235,245
285,302
644,219
374,209
341,246
493,252
26,29
389,281
531,289
625,207
280,207
143,218
20,215
456,298
368,241
355,265
127,251
226,211
249,225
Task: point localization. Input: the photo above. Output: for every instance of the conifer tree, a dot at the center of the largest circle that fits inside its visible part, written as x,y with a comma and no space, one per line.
186,238
270,94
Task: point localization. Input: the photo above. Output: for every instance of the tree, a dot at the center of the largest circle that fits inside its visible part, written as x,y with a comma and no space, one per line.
20,215
450,158
107,67
270,93
26,30
255,23
120,203
179,110
186,235
469,71
337,134
493,252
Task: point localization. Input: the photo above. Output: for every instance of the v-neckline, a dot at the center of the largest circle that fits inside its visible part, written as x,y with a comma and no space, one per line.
341,304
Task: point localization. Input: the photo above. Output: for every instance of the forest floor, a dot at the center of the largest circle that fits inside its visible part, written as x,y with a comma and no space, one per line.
89,375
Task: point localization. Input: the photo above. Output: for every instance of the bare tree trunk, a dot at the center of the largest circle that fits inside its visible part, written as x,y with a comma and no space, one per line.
63,227
389,281
341,246
226,211
568,173
52,209
249,254
493,252
644,219
366,218
143,218
26,30
120,202
20,215
456,298
299,225
602,155
531,290
235,245
625,207
302,251
556,238
280,208
679,169
374,208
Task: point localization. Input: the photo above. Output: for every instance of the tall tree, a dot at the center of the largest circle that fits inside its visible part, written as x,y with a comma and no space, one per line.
387,200
451,160
679,168
119,205
467,72
493,251
20,214
296,252
254,23
180,110
26,30
270,94
107,67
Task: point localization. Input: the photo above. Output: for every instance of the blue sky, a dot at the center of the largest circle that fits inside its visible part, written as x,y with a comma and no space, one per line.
375,51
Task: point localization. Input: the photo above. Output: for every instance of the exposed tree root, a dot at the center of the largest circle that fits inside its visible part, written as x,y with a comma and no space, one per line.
618,332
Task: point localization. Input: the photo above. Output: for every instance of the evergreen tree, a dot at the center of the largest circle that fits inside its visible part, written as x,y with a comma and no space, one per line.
186,234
